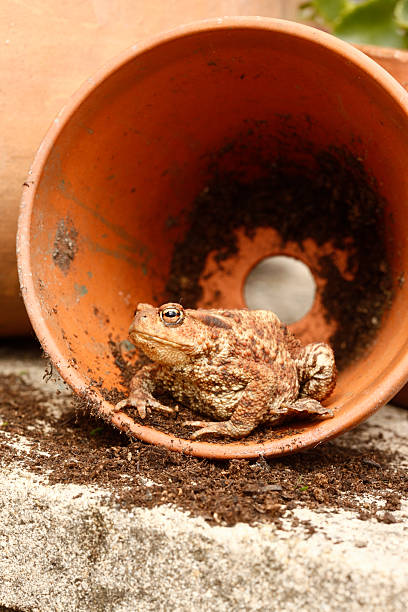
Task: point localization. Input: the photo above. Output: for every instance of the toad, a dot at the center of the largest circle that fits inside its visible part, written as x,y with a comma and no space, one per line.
239,367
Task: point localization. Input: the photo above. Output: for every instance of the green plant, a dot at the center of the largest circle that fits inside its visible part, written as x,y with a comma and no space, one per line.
374,22
96,431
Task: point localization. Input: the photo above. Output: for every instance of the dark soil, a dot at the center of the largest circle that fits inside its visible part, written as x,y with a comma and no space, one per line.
84,450
331,199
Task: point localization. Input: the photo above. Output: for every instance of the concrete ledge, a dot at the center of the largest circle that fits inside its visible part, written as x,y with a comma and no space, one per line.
70,548
64,552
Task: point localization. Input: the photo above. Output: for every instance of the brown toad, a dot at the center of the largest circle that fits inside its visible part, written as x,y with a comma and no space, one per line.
240,367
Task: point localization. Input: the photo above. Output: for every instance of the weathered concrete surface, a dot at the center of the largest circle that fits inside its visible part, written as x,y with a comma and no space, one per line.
69,548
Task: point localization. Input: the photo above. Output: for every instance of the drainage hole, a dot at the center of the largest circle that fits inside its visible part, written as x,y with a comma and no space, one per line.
282,284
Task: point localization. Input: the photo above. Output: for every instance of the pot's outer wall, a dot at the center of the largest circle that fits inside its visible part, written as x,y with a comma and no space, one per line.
396,62
131,153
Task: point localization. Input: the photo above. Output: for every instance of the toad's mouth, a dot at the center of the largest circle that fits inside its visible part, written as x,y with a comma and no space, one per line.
136,334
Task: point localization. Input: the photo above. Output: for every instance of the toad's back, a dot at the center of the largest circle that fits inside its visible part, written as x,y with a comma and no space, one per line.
259,334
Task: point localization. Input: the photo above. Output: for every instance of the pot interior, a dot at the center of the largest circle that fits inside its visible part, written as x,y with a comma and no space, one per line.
227,139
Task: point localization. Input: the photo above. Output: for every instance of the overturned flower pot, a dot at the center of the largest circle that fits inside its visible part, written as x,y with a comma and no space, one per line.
188,161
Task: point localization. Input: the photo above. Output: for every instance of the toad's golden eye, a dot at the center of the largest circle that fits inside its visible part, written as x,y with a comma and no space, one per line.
172,315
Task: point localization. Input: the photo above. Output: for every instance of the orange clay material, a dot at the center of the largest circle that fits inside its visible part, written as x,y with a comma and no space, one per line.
129,153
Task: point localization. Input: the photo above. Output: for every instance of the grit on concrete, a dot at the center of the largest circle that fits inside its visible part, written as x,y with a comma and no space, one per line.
70,548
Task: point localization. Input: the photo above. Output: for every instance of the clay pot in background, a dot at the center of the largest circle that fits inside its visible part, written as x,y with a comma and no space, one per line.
48,49
130,152
395,61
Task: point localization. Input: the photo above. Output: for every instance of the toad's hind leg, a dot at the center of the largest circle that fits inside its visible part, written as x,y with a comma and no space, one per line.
244,420
241,424
220,428
316,371
251,410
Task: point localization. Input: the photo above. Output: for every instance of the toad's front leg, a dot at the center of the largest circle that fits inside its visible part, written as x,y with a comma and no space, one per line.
141,393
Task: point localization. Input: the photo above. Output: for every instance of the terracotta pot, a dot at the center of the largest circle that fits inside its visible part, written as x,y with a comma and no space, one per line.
130,153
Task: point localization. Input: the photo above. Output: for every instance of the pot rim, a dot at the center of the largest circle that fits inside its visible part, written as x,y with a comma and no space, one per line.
383,52
317,432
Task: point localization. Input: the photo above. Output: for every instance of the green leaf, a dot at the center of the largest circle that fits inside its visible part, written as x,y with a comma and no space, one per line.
401,14
96,431
331,10
372,23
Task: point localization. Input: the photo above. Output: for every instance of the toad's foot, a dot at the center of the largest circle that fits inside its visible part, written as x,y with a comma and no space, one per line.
143,406
309,406
220,428
316,371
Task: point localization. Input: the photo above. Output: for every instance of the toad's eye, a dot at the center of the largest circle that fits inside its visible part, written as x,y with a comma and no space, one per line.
172,315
